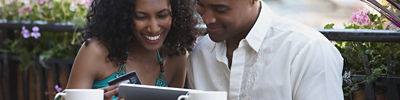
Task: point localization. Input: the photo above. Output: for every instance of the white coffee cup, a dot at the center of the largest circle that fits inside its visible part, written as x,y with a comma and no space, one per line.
204,95
81,94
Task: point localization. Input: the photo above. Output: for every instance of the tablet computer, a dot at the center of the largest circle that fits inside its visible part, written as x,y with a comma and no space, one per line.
147,92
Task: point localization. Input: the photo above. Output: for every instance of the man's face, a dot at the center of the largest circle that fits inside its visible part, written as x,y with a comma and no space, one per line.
224,18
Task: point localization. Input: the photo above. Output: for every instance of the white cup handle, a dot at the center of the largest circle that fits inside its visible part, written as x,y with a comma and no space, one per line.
58,95
183,97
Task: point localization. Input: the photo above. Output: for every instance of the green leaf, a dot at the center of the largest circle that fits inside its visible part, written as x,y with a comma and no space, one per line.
329,26
47,54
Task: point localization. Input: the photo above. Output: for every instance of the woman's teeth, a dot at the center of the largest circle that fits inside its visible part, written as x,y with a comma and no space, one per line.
153,37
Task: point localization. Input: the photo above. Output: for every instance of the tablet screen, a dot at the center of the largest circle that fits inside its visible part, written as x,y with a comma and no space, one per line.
146,92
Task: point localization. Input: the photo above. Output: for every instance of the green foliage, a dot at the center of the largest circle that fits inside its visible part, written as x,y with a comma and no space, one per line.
49,45
52,11
377,52
61,45
329,26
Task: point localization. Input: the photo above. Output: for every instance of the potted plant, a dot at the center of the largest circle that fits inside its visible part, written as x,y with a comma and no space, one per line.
373,60
33,31
31,43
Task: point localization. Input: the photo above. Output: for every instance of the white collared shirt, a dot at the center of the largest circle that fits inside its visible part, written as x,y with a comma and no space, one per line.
278,60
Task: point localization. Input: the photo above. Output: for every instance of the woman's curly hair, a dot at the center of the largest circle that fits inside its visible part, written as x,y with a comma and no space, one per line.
111,22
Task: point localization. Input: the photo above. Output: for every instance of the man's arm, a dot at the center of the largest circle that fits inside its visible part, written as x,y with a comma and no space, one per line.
317,72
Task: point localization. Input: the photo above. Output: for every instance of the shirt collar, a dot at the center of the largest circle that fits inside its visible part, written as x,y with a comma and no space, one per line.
220,48
254,38
259,31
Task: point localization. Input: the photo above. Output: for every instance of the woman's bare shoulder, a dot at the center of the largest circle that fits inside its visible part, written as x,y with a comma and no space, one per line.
89,64
92,56
93,53
95,47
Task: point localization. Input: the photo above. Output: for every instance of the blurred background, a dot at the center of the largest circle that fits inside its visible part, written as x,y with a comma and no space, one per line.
317,13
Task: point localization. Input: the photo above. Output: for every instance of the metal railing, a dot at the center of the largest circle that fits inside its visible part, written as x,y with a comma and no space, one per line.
362,35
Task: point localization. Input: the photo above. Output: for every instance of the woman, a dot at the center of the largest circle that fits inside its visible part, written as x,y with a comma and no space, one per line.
150,37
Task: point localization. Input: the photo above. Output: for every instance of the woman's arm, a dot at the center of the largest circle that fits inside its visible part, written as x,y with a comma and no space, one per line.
90,64
89,61
175,70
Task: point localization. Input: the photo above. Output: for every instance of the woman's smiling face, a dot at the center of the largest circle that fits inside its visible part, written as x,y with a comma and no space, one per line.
152,22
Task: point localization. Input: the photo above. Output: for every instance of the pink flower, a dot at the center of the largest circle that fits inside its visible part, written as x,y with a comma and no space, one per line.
35,28
42,1
35,32
21,11
10,1
58,88
73,6
24,10
361,17
85,3
25,32
50,5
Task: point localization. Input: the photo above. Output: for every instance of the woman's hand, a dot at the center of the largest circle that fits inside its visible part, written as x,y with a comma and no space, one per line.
110,91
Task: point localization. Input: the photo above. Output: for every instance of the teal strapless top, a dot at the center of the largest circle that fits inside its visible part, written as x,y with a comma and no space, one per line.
121,71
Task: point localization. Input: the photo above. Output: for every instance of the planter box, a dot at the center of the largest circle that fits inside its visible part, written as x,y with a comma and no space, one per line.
384,88
362,35
48,26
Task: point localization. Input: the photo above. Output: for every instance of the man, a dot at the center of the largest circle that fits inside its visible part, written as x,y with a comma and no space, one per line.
254,54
